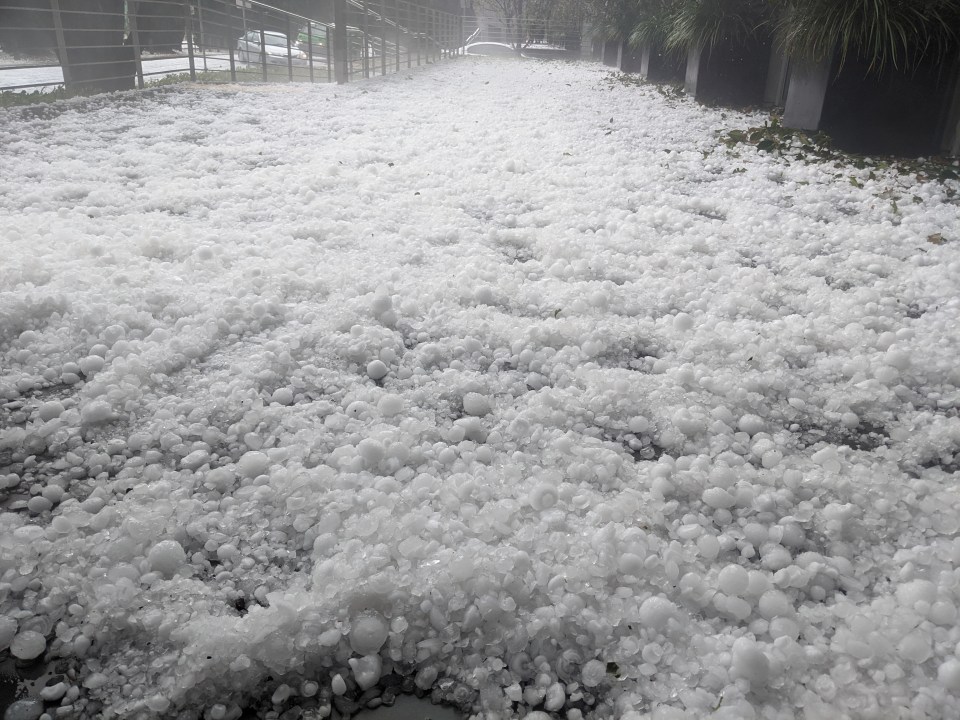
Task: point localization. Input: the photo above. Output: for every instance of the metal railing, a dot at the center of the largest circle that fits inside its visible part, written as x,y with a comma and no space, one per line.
47,44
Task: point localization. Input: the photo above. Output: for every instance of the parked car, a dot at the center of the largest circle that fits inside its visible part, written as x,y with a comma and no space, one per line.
276,47
318,46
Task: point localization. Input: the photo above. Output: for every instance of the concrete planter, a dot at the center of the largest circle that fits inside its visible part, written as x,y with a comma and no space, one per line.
914,112
729,73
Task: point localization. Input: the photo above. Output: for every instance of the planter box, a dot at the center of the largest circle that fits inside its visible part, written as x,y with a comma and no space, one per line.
899,112
730,73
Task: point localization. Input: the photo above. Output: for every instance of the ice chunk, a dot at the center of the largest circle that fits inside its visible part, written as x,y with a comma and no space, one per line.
390,405
750,662
282,396
543,496
27,645
368,633
476,404
253,463
95,412
733,580
8,629
50,410
377,370
366,670
915,647
166,557
338,685
656,611
949,674
29,709
594,672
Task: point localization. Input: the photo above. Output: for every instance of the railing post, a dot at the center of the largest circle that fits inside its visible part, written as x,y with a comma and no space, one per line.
310,47
263,52
61,43
461,42
364,27
396,15
340,50
289,53
132,10
188,21
230,48
383,37
326,44
419,32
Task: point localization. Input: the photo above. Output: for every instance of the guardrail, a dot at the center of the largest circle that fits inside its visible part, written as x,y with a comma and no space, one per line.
47,44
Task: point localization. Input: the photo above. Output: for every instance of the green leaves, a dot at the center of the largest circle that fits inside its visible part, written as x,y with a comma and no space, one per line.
896,32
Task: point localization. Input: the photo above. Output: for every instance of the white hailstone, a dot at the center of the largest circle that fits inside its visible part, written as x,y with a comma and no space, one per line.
282,396
195,459
368,633
97,411
949,674
774,603
281,694
682,322
366,670
38,504
380,304
309,688
708,546
8,630
91,364
28,645
50,410
916,647
771,458
593,673
733,580
638,424
718,498
943,613
850,420
750,662
751,424
476,404
784,627
371,451
914,591
377,370
655,612
252,464
390,405
95,681
543,496
28,709
555,697
537,715
220,479
630,564
897,358
338,685
166,557
228,552
485,295
53,693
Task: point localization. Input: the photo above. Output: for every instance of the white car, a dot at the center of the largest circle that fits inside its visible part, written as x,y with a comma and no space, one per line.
276,49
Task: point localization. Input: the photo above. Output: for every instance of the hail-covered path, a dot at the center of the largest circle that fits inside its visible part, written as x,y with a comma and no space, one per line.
504,381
